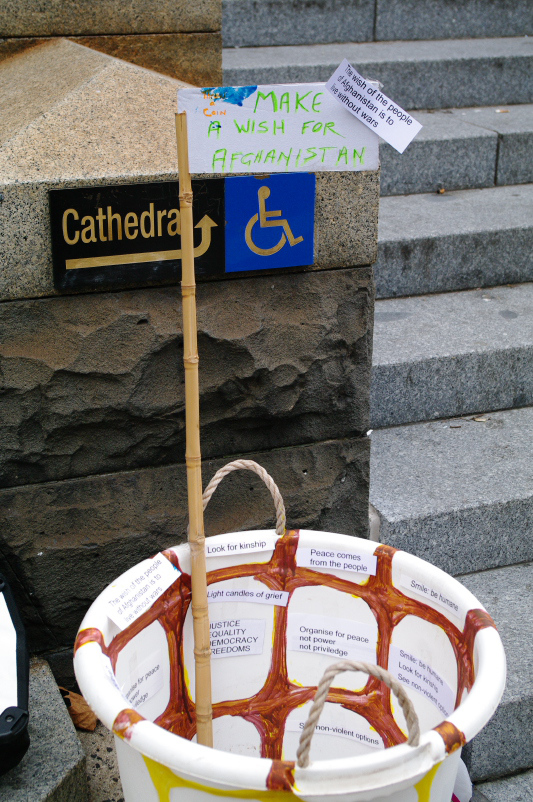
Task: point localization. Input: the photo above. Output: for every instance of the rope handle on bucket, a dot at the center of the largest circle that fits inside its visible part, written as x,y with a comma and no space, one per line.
250,465
413,727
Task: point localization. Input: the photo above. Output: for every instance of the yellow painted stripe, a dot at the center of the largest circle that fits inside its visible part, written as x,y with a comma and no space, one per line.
122,259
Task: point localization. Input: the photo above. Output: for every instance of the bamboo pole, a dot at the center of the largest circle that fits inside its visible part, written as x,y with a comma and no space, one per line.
202,648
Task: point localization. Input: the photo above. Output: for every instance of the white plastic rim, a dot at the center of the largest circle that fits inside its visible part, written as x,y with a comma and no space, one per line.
390,773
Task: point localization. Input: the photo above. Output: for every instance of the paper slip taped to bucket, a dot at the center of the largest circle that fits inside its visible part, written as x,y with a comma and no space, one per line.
371,107
131,596
246,594
237,637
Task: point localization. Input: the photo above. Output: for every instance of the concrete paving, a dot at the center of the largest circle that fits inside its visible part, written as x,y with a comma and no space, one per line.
462,149
53,769
458,492
439,356
458,240
102,768
518,788
479,72
505,745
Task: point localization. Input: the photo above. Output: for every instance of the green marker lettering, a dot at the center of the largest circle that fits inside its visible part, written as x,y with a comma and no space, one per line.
240,128
329,127
262,128
258,157
324,153
284,101
217,158
234,157
316,102
247,163
261,96
299,103
305,124
360,156
286,157
280,125
343,154
313,155
271,156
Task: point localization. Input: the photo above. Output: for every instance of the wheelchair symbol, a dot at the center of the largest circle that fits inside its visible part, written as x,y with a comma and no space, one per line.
264,222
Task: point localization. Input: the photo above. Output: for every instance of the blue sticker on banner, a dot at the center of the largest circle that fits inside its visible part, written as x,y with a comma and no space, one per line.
269,221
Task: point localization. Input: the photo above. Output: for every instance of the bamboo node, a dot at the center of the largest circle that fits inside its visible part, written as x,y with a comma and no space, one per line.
192,460
185,198
203,652
191,360
198,611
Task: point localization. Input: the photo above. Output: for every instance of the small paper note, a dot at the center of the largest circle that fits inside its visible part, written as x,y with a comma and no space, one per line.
374,109
239,544
338,637
436,596
421,677
237,637
263,596
338,560
131,598
358,730
148,681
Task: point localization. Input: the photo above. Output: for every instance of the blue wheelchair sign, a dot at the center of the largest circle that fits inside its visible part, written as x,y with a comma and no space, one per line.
269,221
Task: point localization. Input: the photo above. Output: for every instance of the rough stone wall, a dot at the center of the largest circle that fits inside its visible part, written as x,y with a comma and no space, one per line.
174,37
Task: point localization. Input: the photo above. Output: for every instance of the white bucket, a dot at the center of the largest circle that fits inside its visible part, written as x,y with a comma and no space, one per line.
347,598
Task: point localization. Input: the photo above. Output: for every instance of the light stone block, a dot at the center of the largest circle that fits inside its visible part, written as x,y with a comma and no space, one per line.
53,769
114,124
78,17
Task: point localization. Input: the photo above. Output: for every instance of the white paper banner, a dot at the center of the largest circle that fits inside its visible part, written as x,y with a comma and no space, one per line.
421,677
264,596
273,128
338,637
131,598
237,637
338,560
374,109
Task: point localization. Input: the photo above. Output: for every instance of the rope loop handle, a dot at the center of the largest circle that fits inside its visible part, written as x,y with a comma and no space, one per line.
250,465
413,727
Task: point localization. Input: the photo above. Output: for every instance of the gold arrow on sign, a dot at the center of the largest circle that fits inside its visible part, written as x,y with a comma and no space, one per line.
205,225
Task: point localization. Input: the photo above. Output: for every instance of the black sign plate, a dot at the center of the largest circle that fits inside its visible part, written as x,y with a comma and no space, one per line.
129,235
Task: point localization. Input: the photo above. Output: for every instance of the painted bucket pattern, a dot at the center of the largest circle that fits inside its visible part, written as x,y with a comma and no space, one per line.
282,609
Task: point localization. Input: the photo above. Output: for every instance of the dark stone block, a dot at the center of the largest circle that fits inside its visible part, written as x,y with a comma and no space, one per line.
64,542
95,383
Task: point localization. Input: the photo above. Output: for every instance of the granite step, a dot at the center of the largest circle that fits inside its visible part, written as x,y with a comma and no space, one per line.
432,243
478,72
518,788
252,23
462,149
440,356
53,769
505,745
456,492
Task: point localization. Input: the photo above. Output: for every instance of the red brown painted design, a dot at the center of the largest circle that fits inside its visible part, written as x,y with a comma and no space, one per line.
453,738
269,708
124,722
90,635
